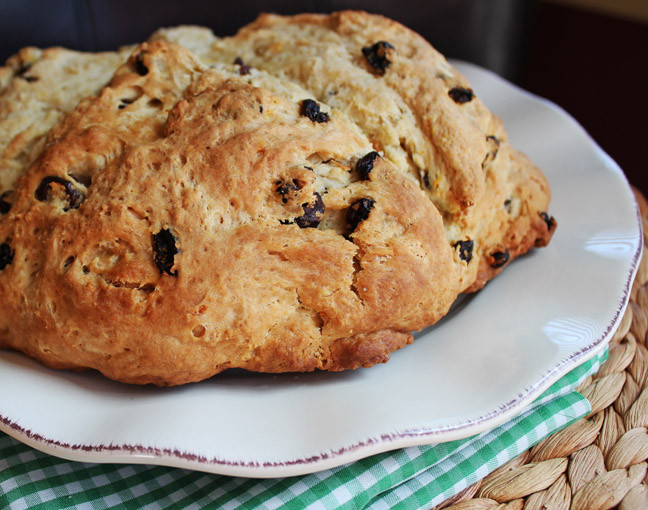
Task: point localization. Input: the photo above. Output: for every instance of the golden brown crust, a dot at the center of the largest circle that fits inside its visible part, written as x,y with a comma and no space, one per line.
188,219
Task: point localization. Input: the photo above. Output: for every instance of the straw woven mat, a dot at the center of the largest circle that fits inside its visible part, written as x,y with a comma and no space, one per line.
598,462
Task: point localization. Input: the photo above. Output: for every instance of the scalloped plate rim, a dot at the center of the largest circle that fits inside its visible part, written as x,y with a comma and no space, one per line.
138,454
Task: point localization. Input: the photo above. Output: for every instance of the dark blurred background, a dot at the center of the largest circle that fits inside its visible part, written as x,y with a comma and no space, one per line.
589,56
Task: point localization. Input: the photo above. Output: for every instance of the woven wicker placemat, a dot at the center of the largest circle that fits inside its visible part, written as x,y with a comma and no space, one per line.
598,462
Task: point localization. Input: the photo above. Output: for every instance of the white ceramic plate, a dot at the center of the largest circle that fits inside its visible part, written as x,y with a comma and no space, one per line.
496,351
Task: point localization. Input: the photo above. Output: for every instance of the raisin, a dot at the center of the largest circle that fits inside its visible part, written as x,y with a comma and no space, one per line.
499,258
461,95
6,255
494,143
23,69
377,55
286,222
426,179
243,67
549,220
359,211
311,109
493,139
165,250
287,188
140,67
4,205
507,205
465,249
75,197
365,165
125,102
313,213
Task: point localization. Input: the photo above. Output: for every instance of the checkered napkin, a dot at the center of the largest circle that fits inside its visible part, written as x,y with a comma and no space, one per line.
410,478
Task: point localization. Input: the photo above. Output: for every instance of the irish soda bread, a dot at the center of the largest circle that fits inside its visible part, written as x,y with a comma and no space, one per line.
300,196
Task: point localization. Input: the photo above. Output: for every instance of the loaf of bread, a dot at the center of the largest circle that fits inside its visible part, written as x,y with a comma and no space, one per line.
300,196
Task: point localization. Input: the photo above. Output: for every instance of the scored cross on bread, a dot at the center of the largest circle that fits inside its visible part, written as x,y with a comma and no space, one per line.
300,196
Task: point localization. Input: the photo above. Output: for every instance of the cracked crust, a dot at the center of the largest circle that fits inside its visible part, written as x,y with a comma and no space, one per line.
224,222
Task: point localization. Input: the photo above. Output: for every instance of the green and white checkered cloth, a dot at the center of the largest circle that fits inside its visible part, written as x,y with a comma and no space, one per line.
409,478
